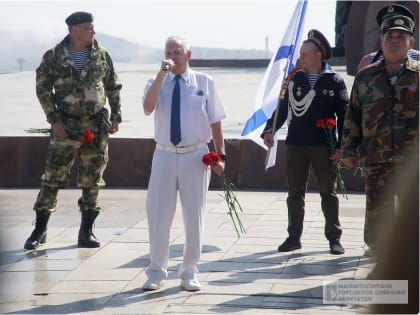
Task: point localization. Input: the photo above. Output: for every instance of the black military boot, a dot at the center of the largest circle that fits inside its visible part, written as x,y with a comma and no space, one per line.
39,234
86,237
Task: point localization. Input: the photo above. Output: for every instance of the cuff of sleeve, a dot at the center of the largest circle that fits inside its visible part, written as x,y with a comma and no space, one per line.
116,117
53,117
269,130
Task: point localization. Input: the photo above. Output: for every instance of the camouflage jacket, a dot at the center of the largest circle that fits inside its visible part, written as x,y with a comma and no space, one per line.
61,89
382,120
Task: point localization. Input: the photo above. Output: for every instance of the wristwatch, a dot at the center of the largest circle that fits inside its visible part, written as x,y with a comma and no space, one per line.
223,157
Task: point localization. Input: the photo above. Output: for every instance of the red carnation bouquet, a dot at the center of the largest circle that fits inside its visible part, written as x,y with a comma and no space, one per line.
85,136
328,125
232,202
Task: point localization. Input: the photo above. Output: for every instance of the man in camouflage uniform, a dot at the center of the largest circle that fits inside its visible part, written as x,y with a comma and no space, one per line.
72,83
382,123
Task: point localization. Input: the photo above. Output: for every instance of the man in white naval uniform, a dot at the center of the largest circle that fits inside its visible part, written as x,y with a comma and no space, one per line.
187,115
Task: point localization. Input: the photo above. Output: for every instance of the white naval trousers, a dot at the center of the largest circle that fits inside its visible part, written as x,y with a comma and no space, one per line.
173,172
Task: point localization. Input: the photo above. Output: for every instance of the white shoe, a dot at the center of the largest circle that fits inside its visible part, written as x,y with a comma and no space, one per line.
191,284
153,284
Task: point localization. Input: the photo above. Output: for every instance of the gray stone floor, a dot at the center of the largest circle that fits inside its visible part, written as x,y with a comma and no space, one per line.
242,275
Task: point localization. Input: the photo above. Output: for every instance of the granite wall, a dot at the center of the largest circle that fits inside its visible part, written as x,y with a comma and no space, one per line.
22,161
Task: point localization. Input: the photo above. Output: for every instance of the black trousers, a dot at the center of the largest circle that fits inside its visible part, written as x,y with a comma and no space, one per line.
299,159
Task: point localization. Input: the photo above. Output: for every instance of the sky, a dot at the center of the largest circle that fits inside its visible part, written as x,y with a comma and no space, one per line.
230,24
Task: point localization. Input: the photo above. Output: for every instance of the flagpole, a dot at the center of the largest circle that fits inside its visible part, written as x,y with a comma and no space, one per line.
276,113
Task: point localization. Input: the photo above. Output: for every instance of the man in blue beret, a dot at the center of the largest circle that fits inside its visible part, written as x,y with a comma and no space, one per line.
73,82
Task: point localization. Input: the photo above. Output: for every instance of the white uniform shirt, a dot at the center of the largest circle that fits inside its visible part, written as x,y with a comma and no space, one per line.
200,107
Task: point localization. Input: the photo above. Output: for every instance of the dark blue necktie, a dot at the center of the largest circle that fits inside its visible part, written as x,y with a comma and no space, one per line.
176,113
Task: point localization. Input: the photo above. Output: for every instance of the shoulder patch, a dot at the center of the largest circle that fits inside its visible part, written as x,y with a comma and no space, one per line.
344,95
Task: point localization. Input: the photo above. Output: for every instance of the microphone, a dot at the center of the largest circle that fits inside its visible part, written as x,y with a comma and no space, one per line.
166,67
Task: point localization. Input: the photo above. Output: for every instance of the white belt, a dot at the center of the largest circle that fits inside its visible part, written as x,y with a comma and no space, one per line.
180,150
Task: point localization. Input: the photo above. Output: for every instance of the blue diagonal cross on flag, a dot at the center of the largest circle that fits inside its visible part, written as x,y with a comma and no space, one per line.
269,90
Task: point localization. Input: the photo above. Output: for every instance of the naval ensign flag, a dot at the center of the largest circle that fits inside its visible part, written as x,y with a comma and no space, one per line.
268,93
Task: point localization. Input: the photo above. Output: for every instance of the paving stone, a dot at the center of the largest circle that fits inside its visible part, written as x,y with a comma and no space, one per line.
243,275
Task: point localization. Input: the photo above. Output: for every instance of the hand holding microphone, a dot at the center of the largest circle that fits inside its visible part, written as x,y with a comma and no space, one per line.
166,65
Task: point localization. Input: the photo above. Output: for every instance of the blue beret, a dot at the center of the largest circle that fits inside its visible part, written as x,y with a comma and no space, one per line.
79,18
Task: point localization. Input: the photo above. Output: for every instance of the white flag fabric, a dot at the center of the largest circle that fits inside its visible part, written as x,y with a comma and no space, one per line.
269,90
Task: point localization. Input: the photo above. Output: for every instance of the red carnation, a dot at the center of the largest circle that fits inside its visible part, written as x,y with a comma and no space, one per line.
320,123
88,136
327,125
211,158
330,123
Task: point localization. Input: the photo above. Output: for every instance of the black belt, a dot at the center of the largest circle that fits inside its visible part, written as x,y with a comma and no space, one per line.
81,118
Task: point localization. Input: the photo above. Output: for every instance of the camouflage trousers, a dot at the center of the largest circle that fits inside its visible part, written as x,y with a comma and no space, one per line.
62,153
383,195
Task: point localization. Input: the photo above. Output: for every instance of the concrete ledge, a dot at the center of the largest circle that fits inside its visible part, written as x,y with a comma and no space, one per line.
249,63
230,63
23,160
